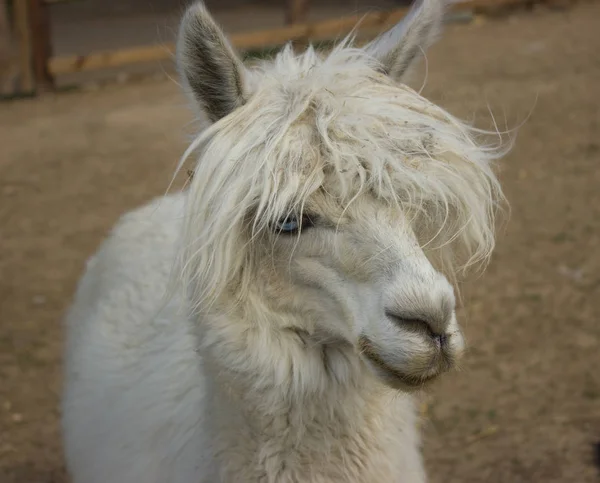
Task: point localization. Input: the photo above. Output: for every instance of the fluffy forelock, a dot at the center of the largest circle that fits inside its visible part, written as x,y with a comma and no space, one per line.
333,122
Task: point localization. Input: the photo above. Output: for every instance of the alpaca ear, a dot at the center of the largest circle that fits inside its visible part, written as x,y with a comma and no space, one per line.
399,48
211,71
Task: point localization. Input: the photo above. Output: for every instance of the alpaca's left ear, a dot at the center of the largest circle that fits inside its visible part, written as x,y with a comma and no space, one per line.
400,47
211,71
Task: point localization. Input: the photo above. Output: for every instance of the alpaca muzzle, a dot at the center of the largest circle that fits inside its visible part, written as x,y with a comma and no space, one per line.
417,355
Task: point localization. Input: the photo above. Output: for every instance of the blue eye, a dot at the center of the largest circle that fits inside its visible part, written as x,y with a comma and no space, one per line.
288,224
291,224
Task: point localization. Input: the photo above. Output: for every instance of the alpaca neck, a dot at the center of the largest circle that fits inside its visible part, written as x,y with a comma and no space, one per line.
314,411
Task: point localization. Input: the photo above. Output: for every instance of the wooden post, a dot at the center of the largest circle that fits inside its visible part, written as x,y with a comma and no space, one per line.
5,32
296,11
23,36
39,22
8,68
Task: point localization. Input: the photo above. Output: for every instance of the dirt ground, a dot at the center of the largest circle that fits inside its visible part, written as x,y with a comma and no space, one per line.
525,407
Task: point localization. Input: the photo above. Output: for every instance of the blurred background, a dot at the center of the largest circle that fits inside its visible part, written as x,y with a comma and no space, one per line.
92,123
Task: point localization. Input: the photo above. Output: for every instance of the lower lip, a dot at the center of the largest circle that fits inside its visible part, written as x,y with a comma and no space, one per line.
404,379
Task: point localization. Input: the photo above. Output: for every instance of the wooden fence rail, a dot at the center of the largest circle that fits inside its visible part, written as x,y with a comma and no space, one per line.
261,39
38,67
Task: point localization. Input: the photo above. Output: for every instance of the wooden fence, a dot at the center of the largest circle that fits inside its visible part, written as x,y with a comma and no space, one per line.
27,65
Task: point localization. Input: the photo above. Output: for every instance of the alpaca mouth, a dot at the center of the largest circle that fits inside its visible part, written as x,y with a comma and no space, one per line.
395,377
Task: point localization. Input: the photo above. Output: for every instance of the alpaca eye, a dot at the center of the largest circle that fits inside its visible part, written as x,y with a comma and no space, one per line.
291,224
288,224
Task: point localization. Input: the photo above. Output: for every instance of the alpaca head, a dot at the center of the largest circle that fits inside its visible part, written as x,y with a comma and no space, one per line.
326,192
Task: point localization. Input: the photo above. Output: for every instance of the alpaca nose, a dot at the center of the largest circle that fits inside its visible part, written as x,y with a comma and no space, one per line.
433,326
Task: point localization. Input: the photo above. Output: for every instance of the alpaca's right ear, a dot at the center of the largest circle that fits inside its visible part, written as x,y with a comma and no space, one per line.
211,71
399,48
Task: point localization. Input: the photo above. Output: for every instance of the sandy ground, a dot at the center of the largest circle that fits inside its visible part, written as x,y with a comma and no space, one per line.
525,407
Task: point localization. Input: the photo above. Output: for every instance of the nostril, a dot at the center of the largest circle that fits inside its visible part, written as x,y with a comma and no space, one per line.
441,339
418,325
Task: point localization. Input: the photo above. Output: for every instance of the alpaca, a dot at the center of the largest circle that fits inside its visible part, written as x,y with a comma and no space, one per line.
273,321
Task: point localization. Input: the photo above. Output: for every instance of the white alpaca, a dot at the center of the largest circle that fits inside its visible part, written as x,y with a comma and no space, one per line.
306,308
